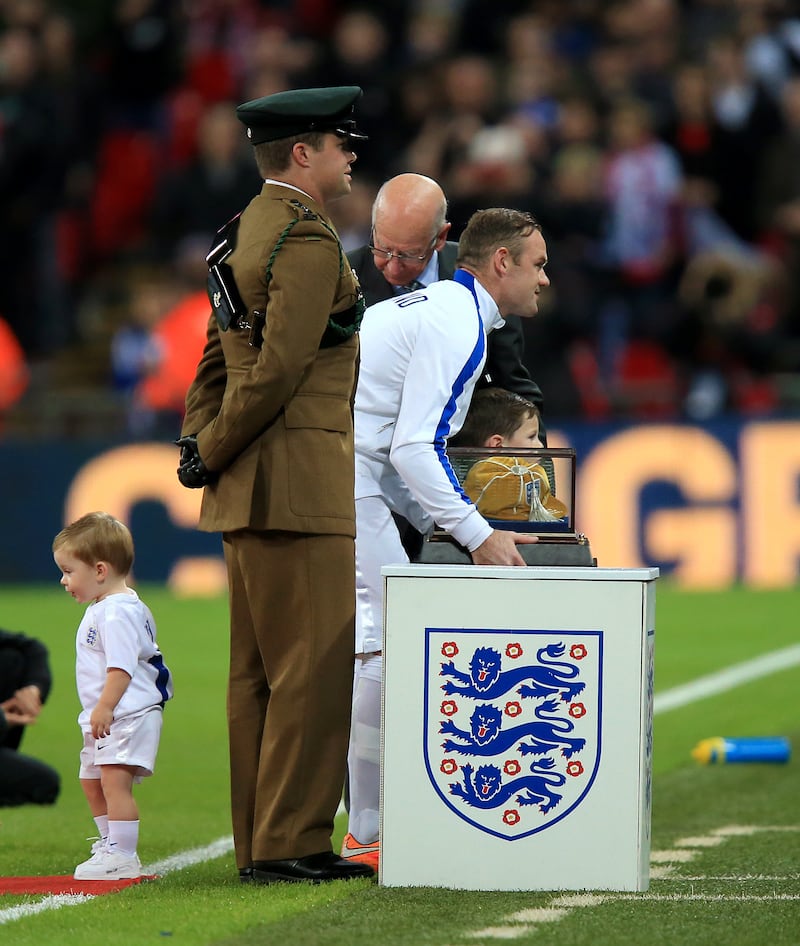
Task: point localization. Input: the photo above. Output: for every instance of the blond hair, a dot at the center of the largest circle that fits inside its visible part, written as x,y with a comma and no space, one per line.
98,537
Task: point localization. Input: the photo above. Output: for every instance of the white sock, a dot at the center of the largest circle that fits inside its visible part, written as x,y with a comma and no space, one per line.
363,760
123,836
102,825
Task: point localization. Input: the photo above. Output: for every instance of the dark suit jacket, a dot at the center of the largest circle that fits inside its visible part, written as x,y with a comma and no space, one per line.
504,367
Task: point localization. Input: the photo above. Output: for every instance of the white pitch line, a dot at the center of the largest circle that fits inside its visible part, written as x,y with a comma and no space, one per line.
739,878
707,897
525,922
53,902
726,679
197,855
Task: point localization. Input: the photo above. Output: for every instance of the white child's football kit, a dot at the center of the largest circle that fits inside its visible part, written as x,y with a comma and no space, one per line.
421,356
119,631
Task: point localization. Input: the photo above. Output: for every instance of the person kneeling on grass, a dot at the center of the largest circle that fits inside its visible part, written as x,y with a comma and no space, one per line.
25,682
123,685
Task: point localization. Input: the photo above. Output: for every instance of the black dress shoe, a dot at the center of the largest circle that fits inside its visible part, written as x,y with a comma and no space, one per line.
316,868
245,875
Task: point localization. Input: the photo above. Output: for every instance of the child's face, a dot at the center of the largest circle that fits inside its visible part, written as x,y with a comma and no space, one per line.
82,581
526,435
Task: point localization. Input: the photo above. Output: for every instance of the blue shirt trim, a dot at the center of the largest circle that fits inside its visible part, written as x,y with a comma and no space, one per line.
473,362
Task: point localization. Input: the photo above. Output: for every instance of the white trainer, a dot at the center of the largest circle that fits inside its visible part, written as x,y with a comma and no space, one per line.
99,844
109,865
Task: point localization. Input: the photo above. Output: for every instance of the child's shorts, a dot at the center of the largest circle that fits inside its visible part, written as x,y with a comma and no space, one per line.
133,741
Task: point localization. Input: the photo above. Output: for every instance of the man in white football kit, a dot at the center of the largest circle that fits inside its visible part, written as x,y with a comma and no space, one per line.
122,684
421,356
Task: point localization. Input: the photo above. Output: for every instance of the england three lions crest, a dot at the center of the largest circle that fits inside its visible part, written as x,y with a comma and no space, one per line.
512,724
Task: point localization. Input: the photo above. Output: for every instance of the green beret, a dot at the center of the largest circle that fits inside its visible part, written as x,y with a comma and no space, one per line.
295,112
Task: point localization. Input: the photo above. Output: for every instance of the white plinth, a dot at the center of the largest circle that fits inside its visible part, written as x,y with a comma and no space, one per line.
532,769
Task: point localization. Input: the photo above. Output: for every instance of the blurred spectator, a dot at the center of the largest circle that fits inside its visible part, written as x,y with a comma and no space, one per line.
574,215
642,185
352,217
136,350
770,31
31,134
178,337
646,33
217,36
361,52
779,212
691,131
216,184
746,119
483,24
14,373
468,103
730,332
142,62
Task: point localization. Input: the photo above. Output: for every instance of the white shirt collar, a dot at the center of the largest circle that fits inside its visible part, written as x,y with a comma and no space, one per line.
271,180
431,272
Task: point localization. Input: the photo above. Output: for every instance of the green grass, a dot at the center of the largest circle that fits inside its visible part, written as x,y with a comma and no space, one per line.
186,805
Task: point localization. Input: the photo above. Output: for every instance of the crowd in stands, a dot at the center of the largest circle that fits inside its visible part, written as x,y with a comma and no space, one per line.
657,141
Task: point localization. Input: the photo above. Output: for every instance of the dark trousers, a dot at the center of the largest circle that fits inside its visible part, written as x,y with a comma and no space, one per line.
26,781
23,780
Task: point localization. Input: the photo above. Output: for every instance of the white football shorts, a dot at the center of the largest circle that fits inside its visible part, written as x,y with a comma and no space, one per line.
133,741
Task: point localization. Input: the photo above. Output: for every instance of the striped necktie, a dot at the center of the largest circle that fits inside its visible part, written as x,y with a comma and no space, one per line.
411,287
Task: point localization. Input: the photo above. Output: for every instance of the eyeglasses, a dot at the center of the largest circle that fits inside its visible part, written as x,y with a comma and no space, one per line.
401,257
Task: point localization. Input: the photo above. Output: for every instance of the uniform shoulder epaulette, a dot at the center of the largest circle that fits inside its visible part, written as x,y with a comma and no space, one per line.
300,209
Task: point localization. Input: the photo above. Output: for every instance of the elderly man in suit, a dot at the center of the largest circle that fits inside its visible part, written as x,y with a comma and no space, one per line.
409,249
268,433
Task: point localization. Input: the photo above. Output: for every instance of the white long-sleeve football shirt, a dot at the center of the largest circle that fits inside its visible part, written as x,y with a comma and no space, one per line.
421,356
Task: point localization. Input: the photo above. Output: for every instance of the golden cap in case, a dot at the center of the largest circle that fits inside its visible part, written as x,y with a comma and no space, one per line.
511,488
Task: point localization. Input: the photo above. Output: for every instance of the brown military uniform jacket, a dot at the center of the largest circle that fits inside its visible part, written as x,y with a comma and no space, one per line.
276,422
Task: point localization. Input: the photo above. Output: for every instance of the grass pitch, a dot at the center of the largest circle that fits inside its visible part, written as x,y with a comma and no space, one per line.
726,839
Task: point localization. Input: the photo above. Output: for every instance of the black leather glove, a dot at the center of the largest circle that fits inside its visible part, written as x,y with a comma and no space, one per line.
192,472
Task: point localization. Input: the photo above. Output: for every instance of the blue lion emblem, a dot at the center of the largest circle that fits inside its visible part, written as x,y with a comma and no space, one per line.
486,680
486,789
550,733
487,738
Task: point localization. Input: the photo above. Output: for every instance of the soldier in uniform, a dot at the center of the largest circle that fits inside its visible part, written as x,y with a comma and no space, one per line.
268,434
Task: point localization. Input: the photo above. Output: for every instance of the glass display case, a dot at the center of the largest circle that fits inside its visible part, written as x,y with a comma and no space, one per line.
522,490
